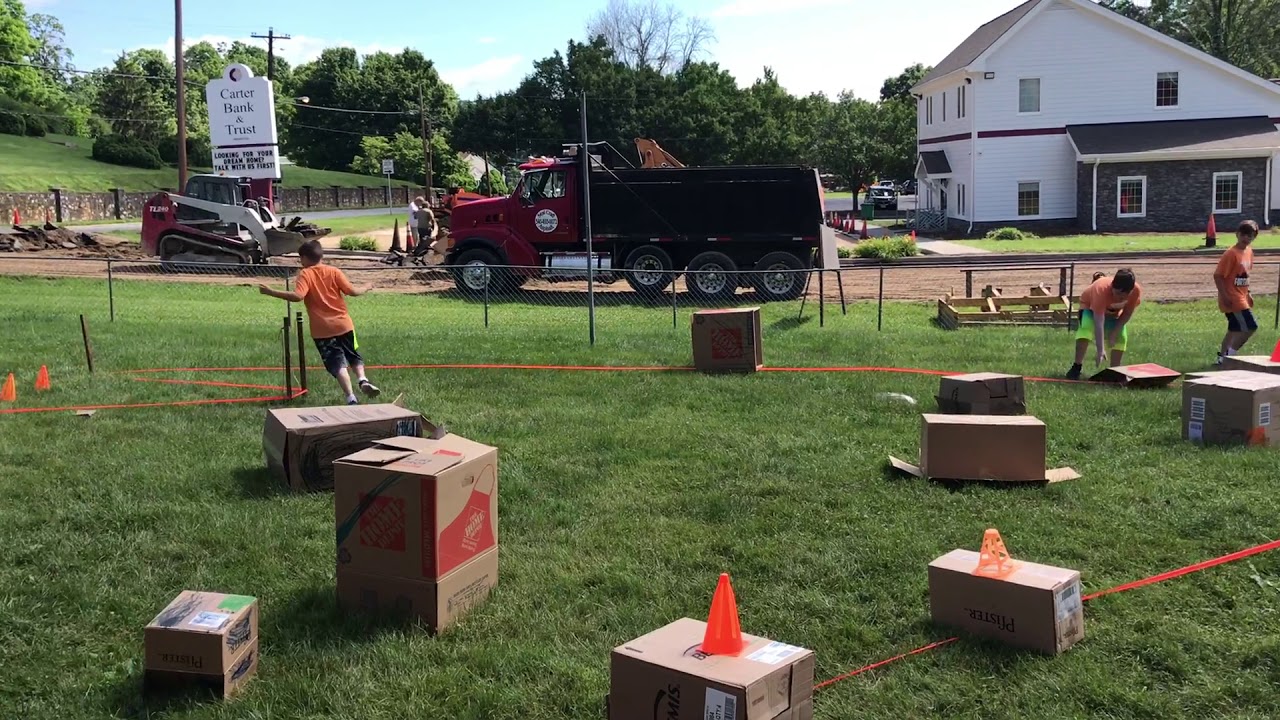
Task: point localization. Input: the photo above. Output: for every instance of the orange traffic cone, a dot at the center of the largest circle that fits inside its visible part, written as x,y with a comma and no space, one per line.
10,392
994,560
17,217
913,236
1275,354
395,238
866,235
724,632
1211,233
42,379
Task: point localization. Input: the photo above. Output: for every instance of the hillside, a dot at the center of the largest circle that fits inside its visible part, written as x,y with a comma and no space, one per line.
37,164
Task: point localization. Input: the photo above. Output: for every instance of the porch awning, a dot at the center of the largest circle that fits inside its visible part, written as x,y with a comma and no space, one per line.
934,164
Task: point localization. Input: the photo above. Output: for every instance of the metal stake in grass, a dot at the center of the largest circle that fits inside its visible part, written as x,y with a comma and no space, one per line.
302,355
88,347
288,371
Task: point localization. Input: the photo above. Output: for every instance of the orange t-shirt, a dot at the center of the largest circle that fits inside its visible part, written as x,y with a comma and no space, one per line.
322,288
1234,267
1099,298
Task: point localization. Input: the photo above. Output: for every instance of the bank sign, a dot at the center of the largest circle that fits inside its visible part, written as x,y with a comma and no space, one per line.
242,124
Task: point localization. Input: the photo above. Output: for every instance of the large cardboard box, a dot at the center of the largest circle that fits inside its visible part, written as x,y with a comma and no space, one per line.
203,639
1148,375
1253,363
983,447
416,508
727,340
1234,407
982,394
662,675
438,604
300,444
1037,607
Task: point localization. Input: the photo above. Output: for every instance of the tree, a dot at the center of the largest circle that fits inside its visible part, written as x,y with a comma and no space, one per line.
136,106
846,147
50,50
899,88
17,82
644,34
405,149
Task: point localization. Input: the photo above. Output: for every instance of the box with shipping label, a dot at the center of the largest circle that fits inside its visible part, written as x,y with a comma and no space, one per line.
415,508
1036,607
300,444
205,639
437,603
663,675
1254,363
1235,407
727,340
982,394
996,448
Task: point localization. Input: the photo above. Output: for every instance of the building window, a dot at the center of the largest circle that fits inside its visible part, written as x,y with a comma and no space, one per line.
944,107
962,201
1227,192
928,114
1167,90
1028,199
961,105
1131,197
1029,95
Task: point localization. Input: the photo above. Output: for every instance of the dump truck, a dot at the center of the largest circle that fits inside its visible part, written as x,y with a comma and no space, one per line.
649,225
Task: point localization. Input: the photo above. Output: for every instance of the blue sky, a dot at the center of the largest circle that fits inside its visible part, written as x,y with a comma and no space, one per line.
487,46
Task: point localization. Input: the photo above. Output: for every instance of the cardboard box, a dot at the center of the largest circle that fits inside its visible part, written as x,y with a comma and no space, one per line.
439,604
982,394
416,508
1144,376
1036,607
1252,363
662,675
300,444
983,447
204,639
1235,407
727,340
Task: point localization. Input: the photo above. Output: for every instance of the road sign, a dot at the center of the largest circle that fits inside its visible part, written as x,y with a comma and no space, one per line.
388,167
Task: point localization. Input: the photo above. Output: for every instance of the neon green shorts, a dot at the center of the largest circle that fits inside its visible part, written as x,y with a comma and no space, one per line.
1087,327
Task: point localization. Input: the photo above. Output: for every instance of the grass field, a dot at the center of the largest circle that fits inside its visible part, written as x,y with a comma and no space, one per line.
37,164
623,495
1115,243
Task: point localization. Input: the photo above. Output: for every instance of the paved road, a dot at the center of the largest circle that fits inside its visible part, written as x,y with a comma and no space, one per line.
905,203
310,216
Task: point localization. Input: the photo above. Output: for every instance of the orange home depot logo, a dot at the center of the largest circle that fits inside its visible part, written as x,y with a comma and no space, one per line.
382,525
471,535
726,344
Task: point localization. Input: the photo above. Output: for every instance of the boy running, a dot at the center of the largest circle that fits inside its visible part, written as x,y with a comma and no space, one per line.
1234,300
321,289
1106,305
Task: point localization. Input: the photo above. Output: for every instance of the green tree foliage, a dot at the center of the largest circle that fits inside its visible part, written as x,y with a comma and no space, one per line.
899,87
405,149
137,106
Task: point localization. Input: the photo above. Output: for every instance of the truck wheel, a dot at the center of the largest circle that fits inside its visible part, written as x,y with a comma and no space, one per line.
476,268
712,277
780,276
648,270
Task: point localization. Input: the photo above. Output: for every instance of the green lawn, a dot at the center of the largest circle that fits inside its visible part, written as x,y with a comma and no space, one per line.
1114,243
623,495
37,164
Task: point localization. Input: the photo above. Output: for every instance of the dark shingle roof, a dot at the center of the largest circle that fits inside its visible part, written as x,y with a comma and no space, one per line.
1240,133
935,162
977,43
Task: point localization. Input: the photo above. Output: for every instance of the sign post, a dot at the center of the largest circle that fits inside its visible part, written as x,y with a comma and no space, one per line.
388,169
242,127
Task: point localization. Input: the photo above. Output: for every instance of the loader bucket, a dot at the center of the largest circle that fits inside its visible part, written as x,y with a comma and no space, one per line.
283,242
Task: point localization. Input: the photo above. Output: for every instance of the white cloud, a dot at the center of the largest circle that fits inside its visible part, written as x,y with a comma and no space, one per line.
757,8
492,75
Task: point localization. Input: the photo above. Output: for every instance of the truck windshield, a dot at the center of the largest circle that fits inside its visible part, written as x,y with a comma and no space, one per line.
543,185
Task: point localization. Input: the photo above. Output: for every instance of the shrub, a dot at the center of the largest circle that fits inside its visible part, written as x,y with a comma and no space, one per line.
358,242
1009,233
120,150
886,248
844,252
36,126
11,124
199,152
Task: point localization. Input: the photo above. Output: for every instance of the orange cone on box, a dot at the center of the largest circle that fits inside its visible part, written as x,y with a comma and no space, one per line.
994,560
724,632
1275,354
10,391
42,379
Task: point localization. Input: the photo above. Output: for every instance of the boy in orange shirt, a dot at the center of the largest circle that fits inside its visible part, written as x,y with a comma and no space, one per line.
1106,305
1234,300
321,289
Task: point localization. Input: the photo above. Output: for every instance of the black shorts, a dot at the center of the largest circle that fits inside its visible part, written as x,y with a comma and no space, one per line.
1242,321
339,352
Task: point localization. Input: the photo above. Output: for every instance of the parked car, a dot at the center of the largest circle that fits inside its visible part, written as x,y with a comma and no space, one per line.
908,187
884,198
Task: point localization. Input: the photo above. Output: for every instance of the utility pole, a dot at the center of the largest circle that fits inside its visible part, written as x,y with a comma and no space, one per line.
181,66
426,141
271,37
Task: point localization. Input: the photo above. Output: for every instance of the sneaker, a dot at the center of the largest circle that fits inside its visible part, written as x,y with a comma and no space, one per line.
1218,362
351,400
1074,372
369,389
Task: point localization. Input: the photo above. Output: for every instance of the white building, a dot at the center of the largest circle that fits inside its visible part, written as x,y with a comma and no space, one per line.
1063,113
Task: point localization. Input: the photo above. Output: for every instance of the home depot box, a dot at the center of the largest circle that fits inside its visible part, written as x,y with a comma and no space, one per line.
1036,607
300,444
415,508
662,675
727,340
982,394
1235,407
1254,363
438,603
203,639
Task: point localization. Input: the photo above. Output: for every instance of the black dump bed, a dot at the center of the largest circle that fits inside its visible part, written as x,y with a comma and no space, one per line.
703,202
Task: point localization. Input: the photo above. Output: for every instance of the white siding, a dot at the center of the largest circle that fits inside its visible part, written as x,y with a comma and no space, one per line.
1003,162
952,125
1093,70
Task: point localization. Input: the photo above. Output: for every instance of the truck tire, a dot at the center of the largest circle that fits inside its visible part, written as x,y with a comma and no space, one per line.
712,277
476,268
648,270
779,276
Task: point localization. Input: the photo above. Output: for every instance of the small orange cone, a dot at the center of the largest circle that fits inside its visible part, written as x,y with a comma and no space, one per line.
724,632
1211,233
42,379
17,217
994,560
10,392
913,236
1275,354
866,234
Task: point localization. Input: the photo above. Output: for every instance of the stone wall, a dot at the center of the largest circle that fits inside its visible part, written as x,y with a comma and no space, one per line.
1179,195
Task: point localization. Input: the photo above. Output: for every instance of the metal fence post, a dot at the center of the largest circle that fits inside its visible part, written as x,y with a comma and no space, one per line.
675,295
1071,293
880,302
302,355
488,278
111,291
822,300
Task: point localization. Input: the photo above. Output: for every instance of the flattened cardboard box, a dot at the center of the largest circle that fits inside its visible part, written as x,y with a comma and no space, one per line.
1037,607
415,508
439,604
995,448
1144,376
1253,363
982,394
301,444
1234,407
727,340
203,638
662,675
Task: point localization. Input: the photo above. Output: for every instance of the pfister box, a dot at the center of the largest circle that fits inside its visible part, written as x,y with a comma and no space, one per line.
203,639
